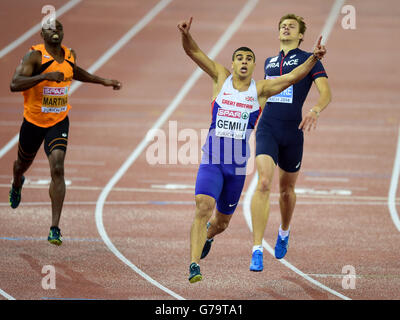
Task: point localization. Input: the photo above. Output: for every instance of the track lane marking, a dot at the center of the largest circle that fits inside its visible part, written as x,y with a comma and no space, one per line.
393,187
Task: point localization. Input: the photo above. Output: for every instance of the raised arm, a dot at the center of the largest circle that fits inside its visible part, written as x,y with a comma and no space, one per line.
270,87
212,68
24,77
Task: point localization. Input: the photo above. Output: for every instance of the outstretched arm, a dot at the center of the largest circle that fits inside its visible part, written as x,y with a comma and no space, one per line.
212,68
271,87
84,76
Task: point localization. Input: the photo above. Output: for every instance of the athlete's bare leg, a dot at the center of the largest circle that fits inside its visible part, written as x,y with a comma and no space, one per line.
198,234
260,201
57,184
287,196
21,165
218,223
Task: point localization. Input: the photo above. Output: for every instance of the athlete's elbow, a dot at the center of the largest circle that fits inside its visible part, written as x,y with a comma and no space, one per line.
14,87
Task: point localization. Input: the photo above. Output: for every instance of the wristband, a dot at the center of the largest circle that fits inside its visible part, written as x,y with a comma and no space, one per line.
315,56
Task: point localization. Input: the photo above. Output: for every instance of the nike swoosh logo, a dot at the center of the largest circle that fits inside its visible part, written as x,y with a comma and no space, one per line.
232,205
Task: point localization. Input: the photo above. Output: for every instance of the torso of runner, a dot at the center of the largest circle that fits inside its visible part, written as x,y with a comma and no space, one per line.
47,103
288,104
234,116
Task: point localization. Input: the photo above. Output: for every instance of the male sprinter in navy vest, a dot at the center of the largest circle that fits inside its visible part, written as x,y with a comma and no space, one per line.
279,136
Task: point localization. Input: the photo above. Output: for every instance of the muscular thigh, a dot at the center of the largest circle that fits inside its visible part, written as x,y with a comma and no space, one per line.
291,151
287,180
57,137
209,180
267,143
30,139
231,190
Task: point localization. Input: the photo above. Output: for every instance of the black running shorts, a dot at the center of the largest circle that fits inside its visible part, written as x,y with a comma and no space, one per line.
32,136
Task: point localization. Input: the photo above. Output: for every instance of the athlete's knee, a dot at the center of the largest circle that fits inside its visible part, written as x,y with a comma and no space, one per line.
204,205
287,193
57,170
264,184
56,160
21,165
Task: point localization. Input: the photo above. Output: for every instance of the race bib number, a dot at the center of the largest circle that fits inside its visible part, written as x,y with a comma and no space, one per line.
286,96
55,99
231,123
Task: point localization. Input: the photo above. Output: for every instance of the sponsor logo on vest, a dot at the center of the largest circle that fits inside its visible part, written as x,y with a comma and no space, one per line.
55,99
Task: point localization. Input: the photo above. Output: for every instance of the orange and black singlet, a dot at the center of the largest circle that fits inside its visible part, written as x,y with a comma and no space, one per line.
46,103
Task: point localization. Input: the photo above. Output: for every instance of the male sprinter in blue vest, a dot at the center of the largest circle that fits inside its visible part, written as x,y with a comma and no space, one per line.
279,135
237,103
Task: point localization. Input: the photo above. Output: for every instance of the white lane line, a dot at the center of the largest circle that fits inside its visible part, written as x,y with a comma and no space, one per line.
108,203
6,295
249,6
320,199
69,5
9,145
247,216
187,203
330,22
393,187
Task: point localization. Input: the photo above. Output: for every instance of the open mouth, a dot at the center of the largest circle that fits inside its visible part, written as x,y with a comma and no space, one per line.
243,69
55,37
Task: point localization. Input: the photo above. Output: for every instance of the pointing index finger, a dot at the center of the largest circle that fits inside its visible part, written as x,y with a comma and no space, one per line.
319,41
189,23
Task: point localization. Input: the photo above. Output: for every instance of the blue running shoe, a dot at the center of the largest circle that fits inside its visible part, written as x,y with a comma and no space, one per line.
207,245
14,195
55,236
257,261
194,273
281,246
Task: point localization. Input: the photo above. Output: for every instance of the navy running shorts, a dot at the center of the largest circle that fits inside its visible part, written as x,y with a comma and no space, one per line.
222,182
283,141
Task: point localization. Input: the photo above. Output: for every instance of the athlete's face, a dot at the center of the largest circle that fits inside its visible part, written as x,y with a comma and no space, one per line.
289,30
53,35
243,63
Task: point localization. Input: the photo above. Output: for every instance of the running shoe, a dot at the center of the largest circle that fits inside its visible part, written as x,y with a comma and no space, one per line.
207,245
281,246
257,261
14,195
55,236
194,273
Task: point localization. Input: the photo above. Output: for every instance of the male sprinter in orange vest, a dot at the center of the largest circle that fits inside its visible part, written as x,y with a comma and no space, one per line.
44,77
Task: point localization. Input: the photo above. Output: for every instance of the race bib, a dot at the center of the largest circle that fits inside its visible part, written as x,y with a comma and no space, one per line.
231,123
55,99
286,96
